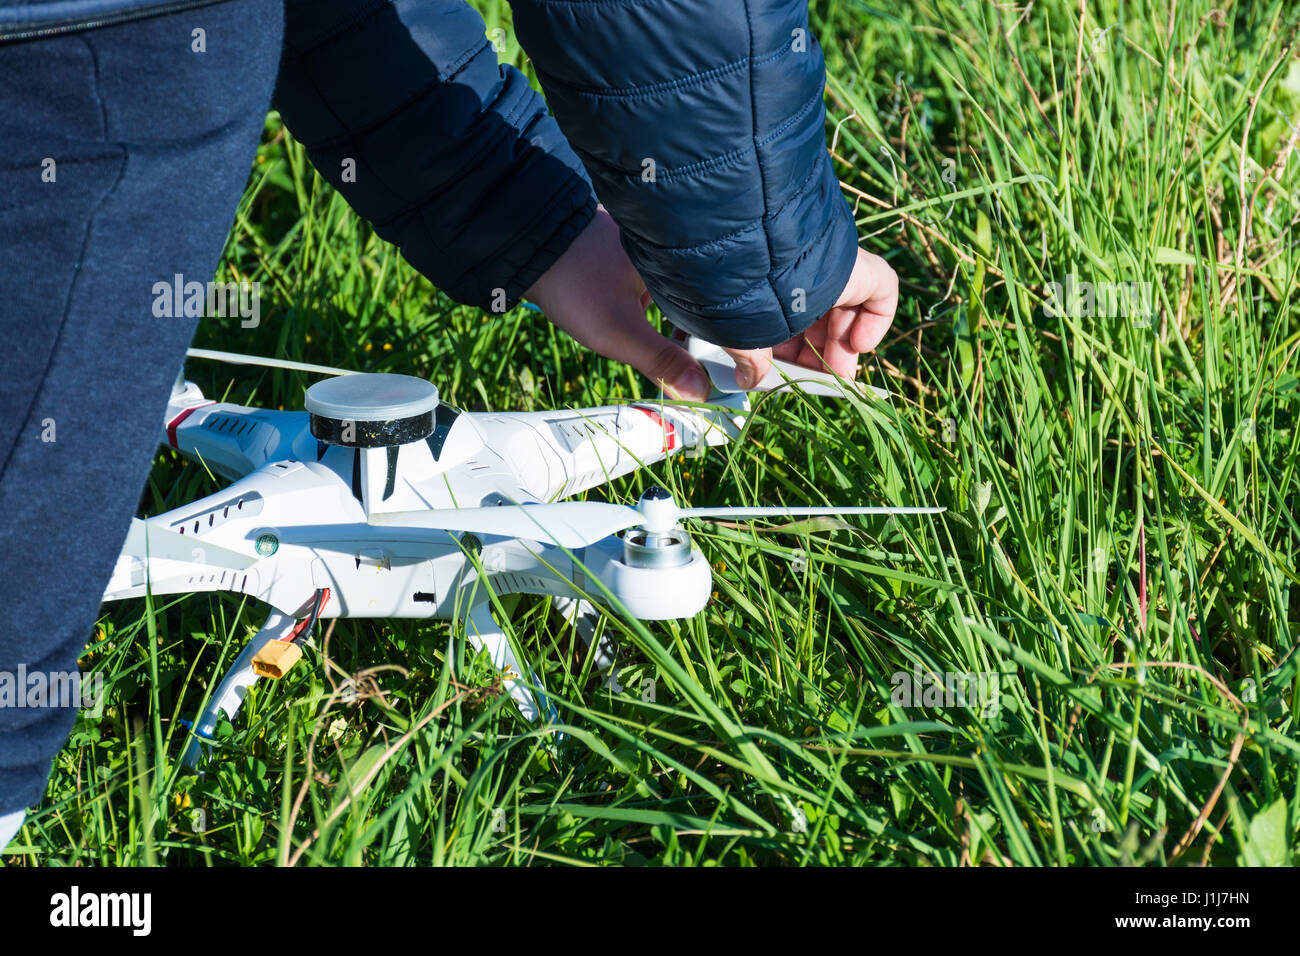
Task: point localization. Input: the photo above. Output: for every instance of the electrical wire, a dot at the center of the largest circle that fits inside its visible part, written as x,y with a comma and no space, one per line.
303,630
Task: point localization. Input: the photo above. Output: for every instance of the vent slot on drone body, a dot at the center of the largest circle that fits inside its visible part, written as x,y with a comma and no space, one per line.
515,582
573,434
226,581
239,506
242,428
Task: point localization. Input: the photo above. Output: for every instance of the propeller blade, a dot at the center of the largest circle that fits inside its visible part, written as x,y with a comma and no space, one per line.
570,524
234,358
800,512
576,524
146,540
781,376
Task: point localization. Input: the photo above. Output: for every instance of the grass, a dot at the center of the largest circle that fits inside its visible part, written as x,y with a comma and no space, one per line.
1120,547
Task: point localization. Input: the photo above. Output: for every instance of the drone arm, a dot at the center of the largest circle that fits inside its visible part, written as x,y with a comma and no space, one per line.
157,560
556,454
600,573
232,440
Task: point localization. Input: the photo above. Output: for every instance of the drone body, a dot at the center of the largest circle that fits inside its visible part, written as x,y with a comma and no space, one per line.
378,501
298,515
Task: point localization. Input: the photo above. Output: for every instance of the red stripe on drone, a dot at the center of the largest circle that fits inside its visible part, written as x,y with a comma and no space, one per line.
175,422
670,433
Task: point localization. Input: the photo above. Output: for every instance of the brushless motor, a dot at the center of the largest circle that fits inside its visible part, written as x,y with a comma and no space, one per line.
659,542
656,549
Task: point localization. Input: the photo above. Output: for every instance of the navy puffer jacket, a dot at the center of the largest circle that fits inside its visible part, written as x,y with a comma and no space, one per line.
699,122
702,126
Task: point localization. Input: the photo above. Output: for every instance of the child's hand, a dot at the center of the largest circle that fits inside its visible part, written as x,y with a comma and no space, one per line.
855,324
594,293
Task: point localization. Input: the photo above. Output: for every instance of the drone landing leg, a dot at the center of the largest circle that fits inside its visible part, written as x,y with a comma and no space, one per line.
483,631
230,693
582,616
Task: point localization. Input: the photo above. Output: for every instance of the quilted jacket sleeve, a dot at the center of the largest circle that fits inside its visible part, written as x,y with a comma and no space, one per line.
702,126
402,105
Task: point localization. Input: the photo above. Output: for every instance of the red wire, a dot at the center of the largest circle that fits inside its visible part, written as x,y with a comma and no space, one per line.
322,598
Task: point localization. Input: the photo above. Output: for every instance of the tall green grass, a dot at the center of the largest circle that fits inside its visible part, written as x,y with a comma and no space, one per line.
1119,550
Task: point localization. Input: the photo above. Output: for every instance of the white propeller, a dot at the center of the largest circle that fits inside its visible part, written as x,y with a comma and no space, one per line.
235,358
781,376
777,511
570,524
576,524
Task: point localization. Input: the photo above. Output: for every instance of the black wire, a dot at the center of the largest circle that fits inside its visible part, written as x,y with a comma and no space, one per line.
311,621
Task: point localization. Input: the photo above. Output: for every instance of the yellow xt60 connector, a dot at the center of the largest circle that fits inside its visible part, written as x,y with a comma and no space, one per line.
275,658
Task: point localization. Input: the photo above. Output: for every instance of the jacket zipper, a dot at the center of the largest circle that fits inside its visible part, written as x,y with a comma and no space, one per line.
107,20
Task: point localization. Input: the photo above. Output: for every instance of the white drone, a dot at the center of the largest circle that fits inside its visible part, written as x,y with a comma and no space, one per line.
378,501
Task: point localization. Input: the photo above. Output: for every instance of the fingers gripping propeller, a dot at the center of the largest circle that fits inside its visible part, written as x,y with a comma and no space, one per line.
781,376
